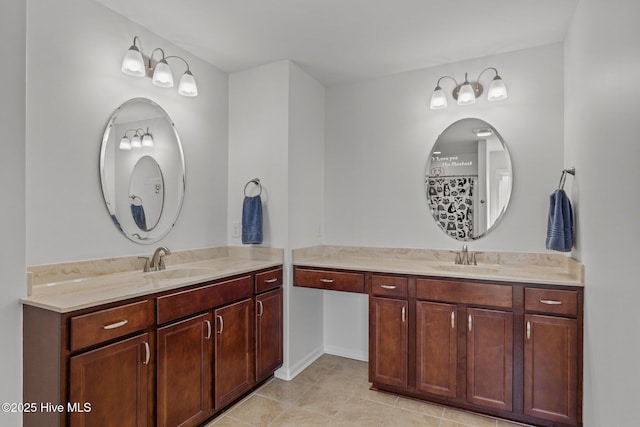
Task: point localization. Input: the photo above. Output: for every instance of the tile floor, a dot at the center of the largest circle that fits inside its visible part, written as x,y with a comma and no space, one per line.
334,391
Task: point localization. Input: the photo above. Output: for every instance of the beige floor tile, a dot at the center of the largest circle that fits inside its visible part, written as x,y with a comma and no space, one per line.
257,410
467,418
400,417
363,412
348,384
225,421
284,391
378,396
418,406
313,373
297,417
321,401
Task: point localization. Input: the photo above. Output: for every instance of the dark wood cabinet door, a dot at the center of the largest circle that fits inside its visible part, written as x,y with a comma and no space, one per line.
234,358
113,380
490,358
436,348
184,372
388,345
268,333
551,368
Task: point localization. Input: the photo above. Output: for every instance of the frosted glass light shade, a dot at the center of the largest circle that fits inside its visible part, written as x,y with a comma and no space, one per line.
187,86
438,99
162,74
466,96
147,140
125,144
135,142
133,64
497,90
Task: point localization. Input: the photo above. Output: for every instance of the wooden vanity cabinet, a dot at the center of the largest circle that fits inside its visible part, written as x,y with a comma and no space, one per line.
552,356
451,315
437,348
389,331
121,372
184,372
168,359
234,357
96,363
268,323
504,349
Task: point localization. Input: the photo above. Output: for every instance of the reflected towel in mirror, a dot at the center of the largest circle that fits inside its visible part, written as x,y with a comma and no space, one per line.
137,211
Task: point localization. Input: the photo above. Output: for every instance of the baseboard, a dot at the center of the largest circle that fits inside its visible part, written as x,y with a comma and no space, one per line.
291,372
347,352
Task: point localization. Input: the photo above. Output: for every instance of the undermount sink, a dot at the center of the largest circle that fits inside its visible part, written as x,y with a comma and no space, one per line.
471,269
179,273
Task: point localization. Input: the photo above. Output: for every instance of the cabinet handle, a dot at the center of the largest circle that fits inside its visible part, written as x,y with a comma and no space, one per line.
208,330
221,324
261,308
453,319
551,302
470,321
148,353
327,280
116,325
404,313
528,330
388,286
271,280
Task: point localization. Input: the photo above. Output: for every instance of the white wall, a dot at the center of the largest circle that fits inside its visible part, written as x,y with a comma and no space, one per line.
602,126
74,83
378,138
380,133
12,194
276,134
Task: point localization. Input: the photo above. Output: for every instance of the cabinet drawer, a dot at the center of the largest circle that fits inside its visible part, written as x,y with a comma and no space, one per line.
330,280
181,304
104,325
465,292
551,301
268,280
390,286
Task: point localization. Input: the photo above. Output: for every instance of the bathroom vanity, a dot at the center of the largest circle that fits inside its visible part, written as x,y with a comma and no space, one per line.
502,338
171,347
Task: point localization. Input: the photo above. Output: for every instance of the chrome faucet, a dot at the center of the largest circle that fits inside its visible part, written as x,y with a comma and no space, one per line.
157,260
462,257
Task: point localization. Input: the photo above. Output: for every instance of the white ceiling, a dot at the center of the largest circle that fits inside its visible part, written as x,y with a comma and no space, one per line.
338,41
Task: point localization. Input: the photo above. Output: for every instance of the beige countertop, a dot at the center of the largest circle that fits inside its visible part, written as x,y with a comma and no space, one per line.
540,268
68,287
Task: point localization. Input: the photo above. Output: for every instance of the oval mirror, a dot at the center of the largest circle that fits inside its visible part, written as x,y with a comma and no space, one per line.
142,170
468,179
146,193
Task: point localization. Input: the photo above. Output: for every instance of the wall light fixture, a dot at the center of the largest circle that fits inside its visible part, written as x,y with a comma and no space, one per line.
467,92
140,138
133,64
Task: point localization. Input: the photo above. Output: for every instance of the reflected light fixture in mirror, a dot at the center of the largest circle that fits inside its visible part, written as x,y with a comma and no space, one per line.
134,65
467,92
139,139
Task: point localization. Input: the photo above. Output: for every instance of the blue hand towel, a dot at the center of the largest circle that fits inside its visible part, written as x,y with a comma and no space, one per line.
138,216
252,220
560,222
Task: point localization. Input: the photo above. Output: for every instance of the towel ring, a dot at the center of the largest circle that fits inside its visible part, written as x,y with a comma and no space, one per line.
255,181
563,177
